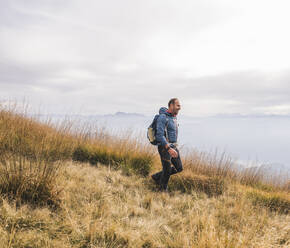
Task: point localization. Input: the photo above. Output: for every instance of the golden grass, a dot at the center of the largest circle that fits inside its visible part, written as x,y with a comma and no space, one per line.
29,181
23,135
220,166
187,182
31,151
114,202
35,140
101,207
275,201
130,161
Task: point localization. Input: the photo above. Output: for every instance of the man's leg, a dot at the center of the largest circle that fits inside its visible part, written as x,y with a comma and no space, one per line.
166,167
156,177
174,169
177,163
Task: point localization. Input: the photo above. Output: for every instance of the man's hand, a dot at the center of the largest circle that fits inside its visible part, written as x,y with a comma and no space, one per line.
173,153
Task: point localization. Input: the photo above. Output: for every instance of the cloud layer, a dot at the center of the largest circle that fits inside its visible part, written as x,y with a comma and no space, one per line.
132,56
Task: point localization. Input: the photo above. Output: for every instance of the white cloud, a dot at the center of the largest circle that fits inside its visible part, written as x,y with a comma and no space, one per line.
216,56
283,109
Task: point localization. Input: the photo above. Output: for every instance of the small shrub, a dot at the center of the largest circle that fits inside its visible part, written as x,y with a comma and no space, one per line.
147,244
82,154
274,201
137,164
101,156
105,238
141,165
212,186
264,187
29,181
126,170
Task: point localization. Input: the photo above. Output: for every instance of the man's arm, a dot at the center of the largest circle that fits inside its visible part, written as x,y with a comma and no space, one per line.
160,127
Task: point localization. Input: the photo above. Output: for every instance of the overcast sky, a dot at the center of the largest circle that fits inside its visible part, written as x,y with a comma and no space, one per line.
99,57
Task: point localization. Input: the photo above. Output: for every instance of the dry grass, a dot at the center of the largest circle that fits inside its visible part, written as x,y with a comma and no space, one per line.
31,152
212,186
101,207
29,181
131,161
220,165
26,136
275,201
114,202
30,155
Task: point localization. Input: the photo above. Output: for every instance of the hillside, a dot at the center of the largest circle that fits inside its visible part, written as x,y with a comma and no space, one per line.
63,189
102,207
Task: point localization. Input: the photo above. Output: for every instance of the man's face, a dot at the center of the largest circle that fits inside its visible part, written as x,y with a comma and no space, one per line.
175,107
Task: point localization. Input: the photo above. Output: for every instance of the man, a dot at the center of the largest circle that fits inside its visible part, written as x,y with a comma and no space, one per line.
166,136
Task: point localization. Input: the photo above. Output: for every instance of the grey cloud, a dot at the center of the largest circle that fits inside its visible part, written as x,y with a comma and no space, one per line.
250,87
100,53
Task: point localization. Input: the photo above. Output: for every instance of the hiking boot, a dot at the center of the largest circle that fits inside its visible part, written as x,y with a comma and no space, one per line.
156,180
162,189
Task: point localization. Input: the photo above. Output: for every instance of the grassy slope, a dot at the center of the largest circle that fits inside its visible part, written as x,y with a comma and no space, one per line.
47,200
102,207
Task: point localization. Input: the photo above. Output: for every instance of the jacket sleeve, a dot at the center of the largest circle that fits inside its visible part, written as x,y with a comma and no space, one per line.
160,128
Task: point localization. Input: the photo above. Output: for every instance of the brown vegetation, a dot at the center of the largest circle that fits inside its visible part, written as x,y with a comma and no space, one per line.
63,187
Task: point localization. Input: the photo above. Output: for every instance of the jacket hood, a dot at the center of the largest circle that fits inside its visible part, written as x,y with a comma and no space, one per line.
163,110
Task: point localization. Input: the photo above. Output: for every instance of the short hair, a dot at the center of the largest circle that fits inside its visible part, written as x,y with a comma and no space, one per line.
172,101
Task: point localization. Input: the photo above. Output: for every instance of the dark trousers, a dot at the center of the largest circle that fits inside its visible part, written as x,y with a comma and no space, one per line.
167,170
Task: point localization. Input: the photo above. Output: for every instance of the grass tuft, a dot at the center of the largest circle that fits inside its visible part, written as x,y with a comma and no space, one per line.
134,163
29,181
212,186
274,201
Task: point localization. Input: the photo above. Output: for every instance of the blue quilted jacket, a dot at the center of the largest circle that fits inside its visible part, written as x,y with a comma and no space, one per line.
172,127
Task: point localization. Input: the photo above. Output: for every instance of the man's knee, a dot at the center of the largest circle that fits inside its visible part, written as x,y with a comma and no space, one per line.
178,165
